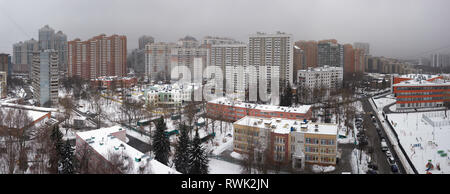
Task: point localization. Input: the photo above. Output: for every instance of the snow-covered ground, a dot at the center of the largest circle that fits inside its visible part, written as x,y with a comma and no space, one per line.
382,102
318,169
357,166
421,141
236,155
222,167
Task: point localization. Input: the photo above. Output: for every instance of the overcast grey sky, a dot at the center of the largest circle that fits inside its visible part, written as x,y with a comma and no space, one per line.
395,28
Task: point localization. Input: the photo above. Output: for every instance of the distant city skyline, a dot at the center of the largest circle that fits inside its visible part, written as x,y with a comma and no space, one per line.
398,28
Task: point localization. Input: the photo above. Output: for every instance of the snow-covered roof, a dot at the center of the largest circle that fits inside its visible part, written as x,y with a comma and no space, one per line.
104,143
37,108
303,109
285,126
421,141
413,82
34,115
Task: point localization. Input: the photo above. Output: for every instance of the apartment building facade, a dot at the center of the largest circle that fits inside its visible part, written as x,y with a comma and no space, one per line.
321,77
45,77
330,53
98,56
271,57
231,60
286,141
158,60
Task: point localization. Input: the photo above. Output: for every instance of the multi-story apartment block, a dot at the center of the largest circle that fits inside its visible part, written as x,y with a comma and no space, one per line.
3,84
45,74
349,59
321,77
185,53
286,141
98,56
232,110
440,60
144,40
330,53
271,56
48,39
360,60
310,52
420,91
231,59
158,60
136,60
4,62
298,61
362,45
23,55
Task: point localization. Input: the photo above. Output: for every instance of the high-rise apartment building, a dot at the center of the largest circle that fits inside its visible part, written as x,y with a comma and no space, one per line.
349,59
144,40
231,59
362,45
3,84
310,52
157,60
360,60
45,80
23,55
440,60
298,61
136,60
330,53
271,55
99,56
184,53
48,39
4,62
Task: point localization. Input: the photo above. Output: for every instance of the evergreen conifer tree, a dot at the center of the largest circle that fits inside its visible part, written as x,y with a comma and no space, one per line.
198,159
181,159
161,144
56,150
67,160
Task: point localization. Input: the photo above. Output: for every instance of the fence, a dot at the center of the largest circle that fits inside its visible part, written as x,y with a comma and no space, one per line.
436,123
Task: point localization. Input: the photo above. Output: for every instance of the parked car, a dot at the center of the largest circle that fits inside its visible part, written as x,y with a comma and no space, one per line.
371,171
373,166
394,168
384,146
391,160
379,132
388,154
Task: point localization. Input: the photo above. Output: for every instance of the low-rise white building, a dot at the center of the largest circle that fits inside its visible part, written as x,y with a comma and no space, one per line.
320,77
106,145
170,94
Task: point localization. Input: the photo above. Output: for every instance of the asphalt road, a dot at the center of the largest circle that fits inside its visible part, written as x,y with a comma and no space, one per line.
378,156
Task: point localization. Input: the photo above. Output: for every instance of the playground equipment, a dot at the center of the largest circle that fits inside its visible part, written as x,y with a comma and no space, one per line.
442,153
429,166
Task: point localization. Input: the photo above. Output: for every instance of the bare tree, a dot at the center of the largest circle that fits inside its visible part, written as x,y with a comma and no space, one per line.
97,102
68,105
16,130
